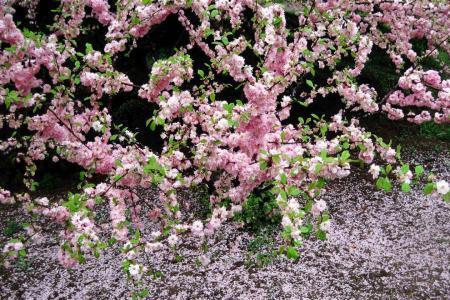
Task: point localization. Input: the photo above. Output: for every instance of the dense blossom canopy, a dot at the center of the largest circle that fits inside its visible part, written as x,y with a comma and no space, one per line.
55,86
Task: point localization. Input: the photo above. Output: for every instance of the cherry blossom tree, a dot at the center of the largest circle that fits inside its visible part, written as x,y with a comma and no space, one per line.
55,87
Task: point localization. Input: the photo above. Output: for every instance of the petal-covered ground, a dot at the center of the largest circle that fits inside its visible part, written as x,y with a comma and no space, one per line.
394,246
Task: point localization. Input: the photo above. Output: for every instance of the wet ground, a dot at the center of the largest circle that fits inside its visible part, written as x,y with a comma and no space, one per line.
382,246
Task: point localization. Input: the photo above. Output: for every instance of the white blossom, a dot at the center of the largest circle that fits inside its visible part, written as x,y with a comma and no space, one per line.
442,187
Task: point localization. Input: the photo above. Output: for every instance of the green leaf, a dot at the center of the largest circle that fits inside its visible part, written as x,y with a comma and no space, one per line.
398,150
318,168
22,253
384,183
153,125
388,169
201,73
283,178
345,155
126,265
89,48
276,22
379,183
323,130
321,235
144,293
387,186
305,229
406,187
294,191
419,170
405,169
429,188
159,121
214,13
446,197
276,158
292,253
225,40
310,83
